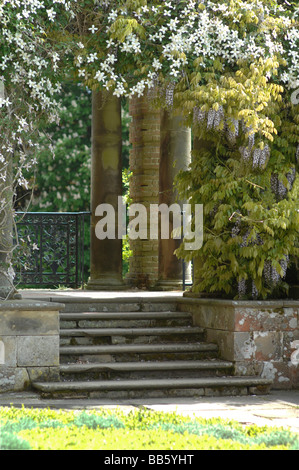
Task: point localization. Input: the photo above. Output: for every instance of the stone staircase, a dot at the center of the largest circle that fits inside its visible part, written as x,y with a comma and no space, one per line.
142,349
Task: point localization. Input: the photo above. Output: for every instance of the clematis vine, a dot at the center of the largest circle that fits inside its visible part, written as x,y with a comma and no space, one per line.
29,82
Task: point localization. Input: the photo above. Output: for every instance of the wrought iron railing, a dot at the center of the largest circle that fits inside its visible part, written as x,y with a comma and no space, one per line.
50,249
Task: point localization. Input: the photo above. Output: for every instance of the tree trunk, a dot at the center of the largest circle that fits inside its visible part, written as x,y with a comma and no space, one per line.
7,289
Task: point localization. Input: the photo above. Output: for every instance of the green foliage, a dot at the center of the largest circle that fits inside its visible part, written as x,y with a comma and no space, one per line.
251,208
45,429
62,179
61,182
234,433
92,421
9,441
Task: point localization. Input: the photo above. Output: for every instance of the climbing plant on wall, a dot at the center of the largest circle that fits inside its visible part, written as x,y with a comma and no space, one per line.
245,163
250,201
230,68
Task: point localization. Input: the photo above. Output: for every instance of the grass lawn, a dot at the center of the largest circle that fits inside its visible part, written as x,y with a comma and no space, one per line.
140,429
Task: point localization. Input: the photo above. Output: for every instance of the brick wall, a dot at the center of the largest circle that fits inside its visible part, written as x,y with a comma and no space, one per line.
144,188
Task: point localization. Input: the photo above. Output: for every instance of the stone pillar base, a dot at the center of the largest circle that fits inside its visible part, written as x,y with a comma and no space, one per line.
106,284
169,285
29,343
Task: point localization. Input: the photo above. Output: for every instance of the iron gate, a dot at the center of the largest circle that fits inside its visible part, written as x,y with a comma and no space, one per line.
50,249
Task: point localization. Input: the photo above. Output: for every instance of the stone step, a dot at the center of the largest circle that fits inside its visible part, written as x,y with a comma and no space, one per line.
124,319
133,348
125,315
208,386
137,352
137,304
130,331
130,370
77,336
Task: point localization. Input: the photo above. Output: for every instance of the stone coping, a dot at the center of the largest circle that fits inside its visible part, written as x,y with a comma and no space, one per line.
118,300
101,296
279,303
43,298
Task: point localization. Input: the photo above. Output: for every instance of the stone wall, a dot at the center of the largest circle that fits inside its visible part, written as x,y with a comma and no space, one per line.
259,337
29,343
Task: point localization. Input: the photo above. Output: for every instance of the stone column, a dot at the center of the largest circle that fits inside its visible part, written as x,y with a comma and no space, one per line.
175,155
106,187
144,186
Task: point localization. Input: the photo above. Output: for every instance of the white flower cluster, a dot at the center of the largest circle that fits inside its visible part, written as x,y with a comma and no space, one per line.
28,66
28,60
291,75
199,29
164,38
